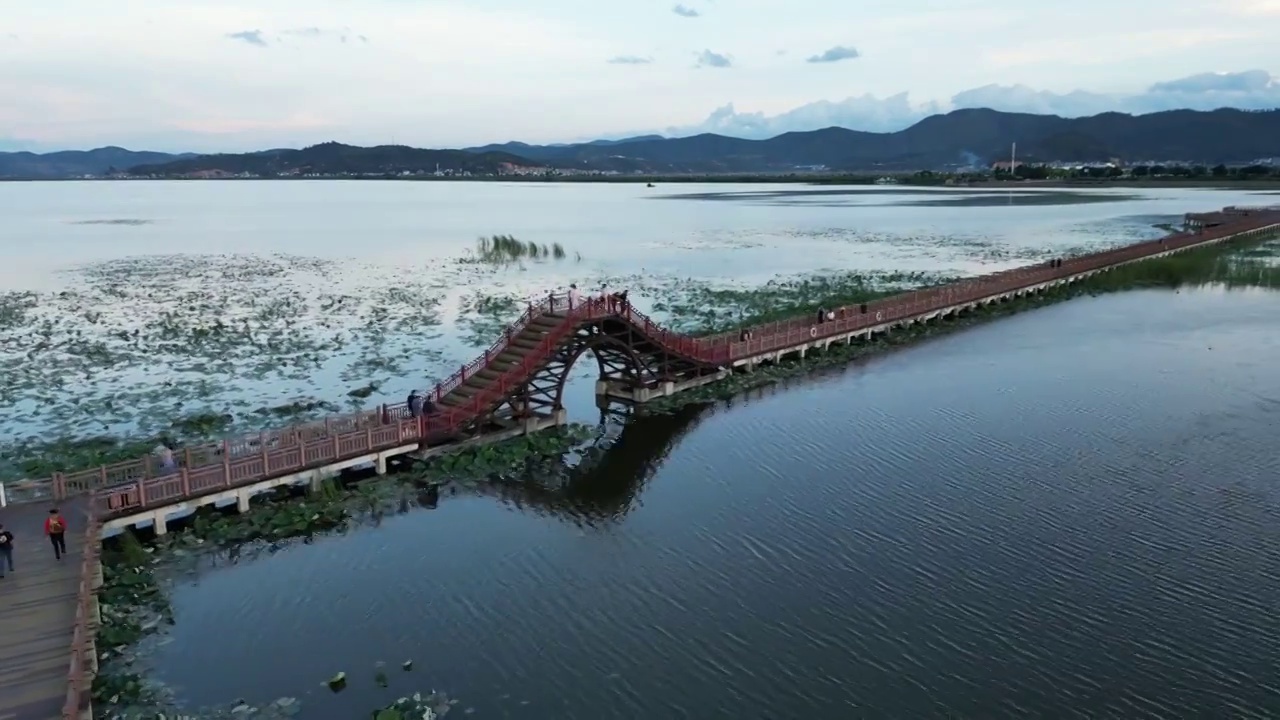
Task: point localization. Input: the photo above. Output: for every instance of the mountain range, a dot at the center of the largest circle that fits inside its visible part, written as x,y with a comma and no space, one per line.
962,137
78,163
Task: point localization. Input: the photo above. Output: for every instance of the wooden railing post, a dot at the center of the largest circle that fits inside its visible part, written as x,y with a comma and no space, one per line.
337,448
186,482
142,496
368,438
226,463
59,486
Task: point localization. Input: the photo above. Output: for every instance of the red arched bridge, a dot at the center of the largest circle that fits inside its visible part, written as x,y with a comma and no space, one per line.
515,384
521,377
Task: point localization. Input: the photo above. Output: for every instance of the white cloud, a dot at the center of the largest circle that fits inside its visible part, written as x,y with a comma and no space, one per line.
170,75
1249,90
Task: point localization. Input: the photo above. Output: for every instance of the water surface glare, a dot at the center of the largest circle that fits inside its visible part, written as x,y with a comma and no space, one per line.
1068,513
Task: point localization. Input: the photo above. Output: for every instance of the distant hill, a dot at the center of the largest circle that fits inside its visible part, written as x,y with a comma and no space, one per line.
556,150
335,158
940,141
77,163
1220,136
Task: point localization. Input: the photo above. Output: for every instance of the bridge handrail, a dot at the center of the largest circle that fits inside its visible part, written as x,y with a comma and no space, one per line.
232,455
84,662
460,377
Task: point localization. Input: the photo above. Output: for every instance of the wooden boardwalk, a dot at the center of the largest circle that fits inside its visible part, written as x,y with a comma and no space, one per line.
38,613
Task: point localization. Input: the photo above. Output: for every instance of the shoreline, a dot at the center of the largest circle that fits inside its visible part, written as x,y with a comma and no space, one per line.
903,180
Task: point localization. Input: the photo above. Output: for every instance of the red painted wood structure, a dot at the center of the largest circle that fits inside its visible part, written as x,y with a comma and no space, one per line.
525,370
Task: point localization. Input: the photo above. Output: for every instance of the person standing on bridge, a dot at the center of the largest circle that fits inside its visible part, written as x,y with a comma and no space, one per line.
575,297
56,528
6,551
164,454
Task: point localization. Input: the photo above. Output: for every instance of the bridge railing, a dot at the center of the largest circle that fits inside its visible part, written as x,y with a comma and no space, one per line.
266,462
143,481
84,662
449,418
547,305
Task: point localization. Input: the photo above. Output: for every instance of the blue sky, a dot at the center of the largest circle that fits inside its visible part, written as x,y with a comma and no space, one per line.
210,75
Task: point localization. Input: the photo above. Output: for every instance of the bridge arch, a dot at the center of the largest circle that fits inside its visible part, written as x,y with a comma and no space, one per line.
618,357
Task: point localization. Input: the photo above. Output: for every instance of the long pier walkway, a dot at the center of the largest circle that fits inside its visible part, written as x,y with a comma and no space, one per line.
40,600
514,387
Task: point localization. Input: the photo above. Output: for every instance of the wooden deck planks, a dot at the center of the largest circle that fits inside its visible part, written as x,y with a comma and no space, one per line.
37,613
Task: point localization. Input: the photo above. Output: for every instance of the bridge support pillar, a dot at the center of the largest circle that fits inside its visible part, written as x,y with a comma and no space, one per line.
380,466
160,523
242,502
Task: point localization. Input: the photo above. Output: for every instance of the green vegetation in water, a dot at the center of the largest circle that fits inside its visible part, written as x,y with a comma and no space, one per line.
135,605
1236,264
132,605
507,250
702,310
540,455
225,335
35,459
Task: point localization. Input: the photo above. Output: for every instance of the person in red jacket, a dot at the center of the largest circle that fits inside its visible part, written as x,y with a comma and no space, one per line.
56,528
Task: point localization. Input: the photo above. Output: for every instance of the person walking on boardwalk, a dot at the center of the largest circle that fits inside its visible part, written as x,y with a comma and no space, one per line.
56,528
6,551
575,297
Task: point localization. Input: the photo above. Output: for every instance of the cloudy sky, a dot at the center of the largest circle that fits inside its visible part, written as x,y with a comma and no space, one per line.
209,75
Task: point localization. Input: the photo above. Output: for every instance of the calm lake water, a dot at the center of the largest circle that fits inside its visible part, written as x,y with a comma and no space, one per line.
1067,513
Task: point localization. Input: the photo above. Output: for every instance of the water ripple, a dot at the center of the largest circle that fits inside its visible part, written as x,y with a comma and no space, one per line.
1001,524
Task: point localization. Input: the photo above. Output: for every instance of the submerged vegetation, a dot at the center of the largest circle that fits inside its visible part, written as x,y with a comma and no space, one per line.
134,600
701,309
1233,264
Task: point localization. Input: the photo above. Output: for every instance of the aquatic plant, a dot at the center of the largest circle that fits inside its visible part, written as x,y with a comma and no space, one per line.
135,604
1236,264
506,249
701,309
132,604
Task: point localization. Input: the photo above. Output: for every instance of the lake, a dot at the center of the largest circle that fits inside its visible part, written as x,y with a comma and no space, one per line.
1070,512
130,304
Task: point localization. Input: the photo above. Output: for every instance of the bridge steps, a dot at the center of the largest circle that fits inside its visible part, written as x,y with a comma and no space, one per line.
525,343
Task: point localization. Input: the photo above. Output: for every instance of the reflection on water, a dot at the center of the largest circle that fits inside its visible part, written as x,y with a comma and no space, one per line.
1071,512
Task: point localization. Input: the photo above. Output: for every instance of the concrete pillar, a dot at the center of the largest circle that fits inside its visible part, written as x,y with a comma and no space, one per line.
159,522
380,466
668,388
640,395
803,349
560,416
602,387
242,502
